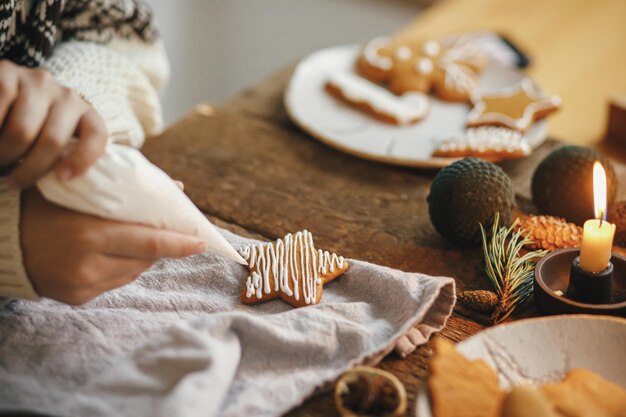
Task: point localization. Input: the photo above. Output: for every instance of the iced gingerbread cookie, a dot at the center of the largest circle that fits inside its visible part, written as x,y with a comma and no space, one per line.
291,269
378,101
451,72
516,108
490,143
376,61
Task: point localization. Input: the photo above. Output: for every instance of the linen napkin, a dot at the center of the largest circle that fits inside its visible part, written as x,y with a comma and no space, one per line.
179,342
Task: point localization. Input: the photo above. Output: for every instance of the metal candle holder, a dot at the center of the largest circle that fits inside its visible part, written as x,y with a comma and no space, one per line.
562,287
589,287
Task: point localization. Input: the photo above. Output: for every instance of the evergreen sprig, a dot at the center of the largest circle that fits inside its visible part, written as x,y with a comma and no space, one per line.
510,272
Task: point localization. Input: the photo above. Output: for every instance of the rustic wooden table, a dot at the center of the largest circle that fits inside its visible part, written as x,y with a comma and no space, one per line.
253,172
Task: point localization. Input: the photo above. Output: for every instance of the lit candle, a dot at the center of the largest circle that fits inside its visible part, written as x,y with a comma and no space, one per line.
595,252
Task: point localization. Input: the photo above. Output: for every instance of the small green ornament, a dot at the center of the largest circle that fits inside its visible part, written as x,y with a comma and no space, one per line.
562,184
465,195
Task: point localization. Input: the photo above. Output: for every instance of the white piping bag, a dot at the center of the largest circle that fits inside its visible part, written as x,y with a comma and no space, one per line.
124,186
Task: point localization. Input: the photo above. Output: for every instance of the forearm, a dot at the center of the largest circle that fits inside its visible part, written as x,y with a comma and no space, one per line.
117,66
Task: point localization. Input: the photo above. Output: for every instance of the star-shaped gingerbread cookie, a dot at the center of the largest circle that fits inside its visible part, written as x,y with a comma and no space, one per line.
291,269
516,108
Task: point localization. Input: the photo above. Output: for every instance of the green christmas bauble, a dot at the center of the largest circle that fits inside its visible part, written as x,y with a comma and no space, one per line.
562,184
466,194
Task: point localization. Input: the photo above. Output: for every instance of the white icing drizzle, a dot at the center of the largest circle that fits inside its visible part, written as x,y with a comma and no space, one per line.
486,139
431,48
464,51
329,262
280,260
424,66
372,55
489,44
452,62
404,53
405,110
458,77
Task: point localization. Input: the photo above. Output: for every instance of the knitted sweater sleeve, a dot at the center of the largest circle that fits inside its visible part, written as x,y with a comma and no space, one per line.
121,80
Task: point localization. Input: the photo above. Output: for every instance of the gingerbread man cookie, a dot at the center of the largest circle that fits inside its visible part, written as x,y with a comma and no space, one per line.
291,269
516,108
451,72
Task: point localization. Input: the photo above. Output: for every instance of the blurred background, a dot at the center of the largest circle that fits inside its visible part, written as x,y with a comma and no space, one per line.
218,47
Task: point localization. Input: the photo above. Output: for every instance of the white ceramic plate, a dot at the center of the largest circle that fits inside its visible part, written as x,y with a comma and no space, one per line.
535,351
343,127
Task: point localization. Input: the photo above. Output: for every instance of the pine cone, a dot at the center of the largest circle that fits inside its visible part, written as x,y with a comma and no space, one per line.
549,232
478,300
617,216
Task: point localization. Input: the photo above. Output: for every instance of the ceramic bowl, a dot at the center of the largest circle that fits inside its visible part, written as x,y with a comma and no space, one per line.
539,350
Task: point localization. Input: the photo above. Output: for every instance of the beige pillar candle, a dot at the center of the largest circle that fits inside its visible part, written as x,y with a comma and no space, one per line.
595,252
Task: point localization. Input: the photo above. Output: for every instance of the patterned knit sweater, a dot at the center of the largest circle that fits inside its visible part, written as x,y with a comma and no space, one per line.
105,50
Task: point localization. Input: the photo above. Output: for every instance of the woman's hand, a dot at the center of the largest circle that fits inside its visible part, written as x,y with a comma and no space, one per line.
73,258
45,126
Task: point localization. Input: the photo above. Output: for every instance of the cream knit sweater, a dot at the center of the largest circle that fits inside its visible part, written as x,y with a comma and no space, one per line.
121,80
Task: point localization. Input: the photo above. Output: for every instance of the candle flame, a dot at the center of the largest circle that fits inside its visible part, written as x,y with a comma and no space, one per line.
599,190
